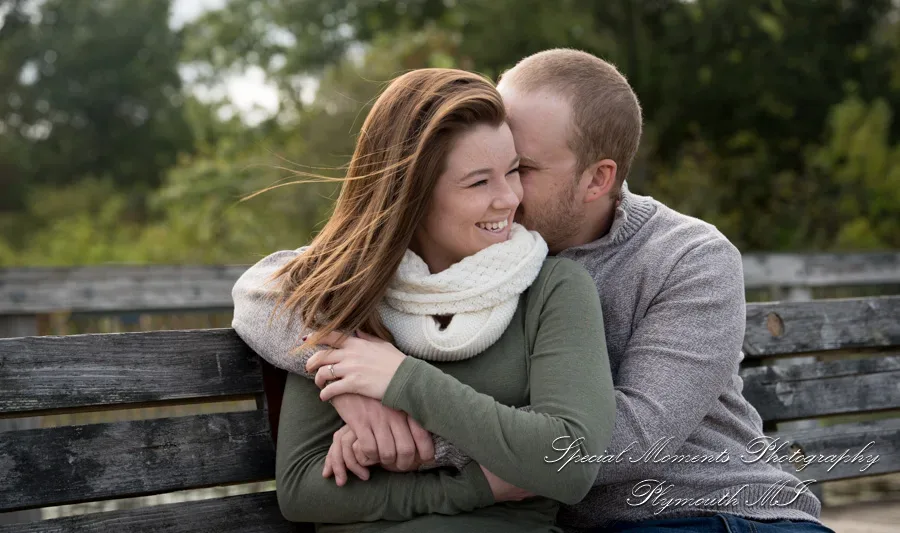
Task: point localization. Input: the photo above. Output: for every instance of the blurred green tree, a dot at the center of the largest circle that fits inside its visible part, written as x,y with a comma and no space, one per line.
737,92
773,119
90,88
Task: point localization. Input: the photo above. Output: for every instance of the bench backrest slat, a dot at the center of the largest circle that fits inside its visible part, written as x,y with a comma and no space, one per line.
54,466
821,269
845,440
823,388
25,291
784,328
117,288
41,373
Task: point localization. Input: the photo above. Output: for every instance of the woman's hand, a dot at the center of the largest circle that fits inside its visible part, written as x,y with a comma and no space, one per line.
362,365
346,454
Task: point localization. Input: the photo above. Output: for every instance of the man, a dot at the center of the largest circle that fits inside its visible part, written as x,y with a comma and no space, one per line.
674,310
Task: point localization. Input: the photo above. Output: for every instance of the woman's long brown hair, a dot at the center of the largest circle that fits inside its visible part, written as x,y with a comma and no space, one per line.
337,283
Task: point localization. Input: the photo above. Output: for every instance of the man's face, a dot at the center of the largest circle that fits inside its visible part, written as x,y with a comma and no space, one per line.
540,124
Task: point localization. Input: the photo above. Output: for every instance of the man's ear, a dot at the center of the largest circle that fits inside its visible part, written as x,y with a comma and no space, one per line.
601,178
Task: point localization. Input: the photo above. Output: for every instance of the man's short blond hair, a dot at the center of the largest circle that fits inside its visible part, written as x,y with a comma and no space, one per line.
606,114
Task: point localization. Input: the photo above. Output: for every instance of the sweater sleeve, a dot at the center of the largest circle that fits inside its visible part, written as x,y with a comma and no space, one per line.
680,357
571,397
275,337
306,428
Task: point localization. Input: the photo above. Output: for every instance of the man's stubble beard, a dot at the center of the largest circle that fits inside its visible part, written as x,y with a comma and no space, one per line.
557,221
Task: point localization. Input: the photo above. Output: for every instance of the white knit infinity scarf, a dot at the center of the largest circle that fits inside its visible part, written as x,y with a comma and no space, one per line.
481,292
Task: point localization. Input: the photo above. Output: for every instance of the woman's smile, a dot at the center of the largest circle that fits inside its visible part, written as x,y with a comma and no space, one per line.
498,230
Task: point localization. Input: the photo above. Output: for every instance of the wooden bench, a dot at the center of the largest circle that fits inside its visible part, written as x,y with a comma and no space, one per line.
26,292
858,371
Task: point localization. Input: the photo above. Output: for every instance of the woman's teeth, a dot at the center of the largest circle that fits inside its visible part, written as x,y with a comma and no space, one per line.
492,226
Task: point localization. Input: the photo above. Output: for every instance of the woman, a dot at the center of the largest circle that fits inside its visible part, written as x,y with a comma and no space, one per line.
422,253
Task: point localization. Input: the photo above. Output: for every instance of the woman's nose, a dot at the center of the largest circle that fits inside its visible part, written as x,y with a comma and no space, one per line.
506,197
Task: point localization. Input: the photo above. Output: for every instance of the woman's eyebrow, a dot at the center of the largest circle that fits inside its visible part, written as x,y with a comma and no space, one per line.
475,173
486,170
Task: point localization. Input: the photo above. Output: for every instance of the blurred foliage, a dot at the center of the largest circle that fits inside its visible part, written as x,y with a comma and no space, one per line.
90,88
772,119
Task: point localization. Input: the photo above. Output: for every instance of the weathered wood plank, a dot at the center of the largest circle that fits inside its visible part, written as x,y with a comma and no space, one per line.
40,373
259,512
821,270
55,466
17,326
167,287
248,513
810,390
832,441
117,288
796,327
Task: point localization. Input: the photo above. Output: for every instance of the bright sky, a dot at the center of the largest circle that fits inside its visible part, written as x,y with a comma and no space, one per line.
251,94
187,10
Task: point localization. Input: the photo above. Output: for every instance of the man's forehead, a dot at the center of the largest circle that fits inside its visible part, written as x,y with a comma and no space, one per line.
537,145
537,112
539,121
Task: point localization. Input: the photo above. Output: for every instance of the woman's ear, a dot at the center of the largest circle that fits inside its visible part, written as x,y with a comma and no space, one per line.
601,178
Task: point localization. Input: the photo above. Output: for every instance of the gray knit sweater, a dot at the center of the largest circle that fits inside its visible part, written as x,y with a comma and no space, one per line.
672,292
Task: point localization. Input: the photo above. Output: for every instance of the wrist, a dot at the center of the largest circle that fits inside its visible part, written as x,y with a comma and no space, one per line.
394,394
346,405
483,491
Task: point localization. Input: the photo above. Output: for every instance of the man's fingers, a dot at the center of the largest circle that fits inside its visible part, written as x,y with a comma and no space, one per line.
336,458
350,458
335,339
424,441
387,451
364,458
366,337
365,447
327,472
406,446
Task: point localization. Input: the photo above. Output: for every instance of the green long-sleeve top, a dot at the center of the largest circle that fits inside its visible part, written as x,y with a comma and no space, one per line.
552,357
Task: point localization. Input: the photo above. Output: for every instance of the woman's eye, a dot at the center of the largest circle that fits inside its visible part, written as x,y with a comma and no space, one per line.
514,171
479,183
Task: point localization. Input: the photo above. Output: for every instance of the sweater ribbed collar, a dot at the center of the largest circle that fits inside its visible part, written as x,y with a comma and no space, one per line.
632,212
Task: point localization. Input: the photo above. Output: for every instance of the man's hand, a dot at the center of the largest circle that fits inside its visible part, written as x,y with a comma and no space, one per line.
341,458
503,491
383,435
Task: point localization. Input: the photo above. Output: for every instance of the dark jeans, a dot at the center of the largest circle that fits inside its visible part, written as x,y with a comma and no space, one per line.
721,523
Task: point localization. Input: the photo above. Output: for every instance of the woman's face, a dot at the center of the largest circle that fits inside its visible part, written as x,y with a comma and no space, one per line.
474,200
